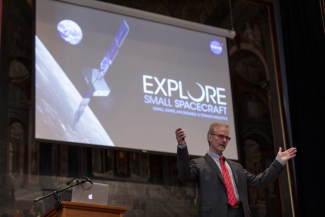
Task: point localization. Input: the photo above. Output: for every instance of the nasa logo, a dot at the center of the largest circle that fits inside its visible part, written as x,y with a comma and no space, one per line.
216,47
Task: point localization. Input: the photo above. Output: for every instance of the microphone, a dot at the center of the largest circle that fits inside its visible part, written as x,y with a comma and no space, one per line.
69,182
89,180
78,181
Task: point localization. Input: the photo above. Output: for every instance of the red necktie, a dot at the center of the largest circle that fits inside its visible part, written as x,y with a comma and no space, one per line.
228,183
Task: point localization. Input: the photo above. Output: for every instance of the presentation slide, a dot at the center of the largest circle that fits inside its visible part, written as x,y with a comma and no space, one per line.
108,79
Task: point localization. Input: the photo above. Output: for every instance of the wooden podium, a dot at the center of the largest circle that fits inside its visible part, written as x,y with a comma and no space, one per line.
71,209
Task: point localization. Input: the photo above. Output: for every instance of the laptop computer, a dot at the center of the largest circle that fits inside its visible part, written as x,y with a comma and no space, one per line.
97,194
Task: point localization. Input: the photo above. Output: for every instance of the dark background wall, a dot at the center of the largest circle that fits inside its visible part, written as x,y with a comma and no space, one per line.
304,45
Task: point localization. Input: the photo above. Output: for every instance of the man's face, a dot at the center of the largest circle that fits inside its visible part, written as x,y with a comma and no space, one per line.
218,141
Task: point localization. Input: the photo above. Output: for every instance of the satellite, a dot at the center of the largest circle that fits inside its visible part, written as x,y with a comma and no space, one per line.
94,78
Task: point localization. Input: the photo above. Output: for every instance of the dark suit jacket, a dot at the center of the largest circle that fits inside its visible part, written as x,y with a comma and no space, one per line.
213,194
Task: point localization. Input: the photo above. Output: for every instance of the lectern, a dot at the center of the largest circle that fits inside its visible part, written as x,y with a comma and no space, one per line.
71,209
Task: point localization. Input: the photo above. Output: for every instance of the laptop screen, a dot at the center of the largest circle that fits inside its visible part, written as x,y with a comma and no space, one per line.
84,193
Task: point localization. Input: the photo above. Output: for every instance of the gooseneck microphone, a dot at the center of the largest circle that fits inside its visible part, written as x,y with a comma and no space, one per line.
69,182
85,177
89,180
73,182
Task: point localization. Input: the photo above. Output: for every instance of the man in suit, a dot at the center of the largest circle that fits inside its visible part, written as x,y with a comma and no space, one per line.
222,182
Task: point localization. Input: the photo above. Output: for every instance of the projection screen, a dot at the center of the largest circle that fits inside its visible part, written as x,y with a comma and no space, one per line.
110,76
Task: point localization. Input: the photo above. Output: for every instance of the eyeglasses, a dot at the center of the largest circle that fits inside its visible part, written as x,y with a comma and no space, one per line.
222,137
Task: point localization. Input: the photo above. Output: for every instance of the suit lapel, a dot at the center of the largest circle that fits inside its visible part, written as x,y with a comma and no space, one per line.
233,169
214,165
